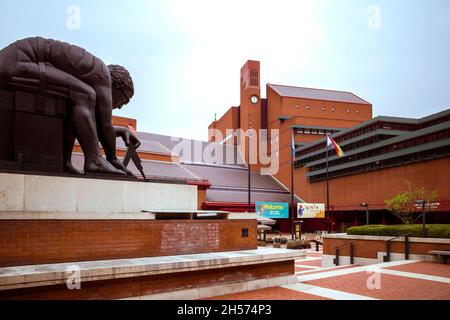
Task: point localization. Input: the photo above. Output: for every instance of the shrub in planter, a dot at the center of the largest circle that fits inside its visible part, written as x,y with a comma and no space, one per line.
306,244
432,230
293,244
298,244
262,244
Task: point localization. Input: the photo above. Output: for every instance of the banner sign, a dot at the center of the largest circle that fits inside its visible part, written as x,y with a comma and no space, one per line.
310,210
273,210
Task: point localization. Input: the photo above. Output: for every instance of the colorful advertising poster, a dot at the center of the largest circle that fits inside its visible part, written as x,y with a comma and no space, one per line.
310,210
273,210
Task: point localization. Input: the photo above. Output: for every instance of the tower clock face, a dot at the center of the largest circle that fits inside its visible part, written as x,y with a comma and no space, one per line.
254,99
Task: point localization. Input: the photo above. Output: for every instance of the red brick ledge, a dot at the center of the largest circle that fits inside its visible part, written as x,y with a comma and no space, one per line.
56,274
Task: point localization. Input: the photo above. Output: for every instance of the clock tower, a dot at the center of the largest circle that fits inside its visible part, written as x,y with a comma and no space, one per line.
250,109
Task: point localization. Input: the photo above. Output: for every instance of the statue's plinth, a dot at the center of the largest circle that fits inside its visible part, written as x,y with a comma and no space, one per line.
49,223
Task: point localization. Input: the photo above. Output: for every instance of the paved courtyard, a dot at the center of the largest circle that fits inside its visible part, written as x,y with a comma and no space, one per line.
401,280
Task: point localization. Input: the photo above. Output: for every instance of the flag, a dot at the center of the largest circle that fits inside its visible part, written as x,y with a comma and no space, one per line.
331,142
293,143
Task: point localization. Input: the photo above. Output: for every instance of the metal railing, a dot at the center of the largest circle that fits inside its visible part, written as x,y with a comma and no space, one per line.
336,259
318,243
387,257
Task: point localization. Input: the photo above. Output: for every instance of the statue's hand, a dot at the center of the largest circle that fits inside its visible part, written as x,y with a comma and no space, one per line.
128,137
119,165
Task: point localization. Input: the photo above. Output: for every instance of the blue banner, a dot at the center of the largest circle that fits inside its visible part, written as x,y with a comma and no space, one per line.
273,210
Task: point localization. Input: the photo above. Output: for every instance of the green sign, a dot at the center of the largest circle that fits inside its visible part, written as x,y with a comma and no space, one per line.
273,210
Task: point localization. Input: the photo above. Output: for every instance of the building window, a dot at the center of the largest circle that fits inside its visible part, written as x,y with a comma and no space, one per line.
254,77
324,109
333,109
308,107
298,107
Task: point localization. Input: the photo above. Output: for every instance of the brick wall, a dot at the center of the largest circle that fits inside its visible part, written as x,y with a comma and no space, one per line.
370,248
138,286
54,241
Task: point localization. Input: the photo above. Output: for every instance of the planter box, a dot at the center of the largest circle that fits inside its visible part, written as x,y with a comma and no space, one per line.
371,249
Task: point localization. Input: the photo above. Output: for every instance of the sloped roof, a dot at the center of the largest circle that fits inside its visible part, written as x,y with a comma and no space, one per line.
233,177
316,94
211,153
152,169
241,196
229,181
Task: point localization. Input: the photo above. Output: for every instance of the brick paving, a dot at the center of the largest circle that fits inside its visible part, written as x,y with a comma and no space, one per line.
314,254
392,286
322,270
312,263
297,269
428,268
270,294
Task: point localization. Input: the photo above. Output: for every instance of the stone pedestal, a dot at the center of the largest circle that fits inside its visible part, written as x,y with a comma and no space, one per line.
48,224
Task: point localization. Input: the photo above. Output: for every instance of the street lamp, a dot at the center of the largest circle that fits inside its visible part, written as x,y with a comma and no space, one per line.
366,205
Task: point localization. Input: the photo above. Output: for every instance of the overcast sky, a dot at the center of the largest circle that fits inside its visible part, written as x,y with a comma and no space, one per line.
185,56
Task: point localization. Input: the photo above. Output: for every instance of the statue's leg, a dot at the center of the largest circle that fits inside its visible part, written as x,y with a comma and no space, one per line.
84,125
82,117
69,142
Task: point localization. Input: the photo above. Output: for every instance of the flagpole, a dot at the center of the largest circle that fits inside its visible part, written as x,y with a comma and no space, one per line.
292,186
328,191
248,163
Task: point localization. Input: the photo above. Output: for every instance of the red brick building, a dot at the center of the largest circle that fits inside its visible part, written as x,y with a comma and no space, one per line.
381,154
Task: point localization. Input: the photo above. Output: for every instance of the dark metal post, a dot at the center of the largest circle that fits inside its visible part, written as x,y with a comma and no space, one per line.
336,262
317,246
351,253
424,226
406,247
367,215
387,258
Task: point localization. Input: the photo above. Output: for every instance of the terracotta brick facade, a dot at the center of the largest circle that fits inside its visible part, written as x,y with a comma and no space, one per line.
27,242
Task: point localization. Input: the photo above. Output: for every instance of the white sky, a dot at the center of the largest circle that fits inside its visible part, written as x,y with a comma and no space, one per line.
185,56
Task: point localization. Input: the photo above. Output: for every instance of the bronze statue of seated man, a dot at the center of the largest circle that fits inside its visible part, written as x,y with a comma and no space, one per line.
92,89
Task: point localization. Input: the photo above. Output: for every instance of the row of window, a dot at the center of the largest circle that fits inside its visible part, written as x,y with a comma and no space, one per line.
316,131
444,134
355,145
333,109
407,159
356,133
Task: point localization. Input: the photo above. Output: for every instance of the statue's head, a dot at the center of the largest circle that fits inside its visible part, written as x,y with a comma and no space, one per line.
122,87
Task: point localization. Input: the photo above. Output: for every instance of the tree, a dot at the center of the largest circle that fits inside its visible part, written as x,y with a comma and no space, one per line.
403,205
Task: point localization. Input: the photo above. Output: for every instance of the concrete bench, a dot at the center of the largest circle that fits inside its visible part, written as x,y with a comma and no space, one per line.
441,255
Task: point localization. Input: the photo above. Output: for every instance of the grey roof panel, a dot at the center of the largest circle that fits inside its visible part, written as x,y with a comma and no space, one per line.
147,146
399,153
151,168
382,119
317,94
197,151
233,177
233,196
